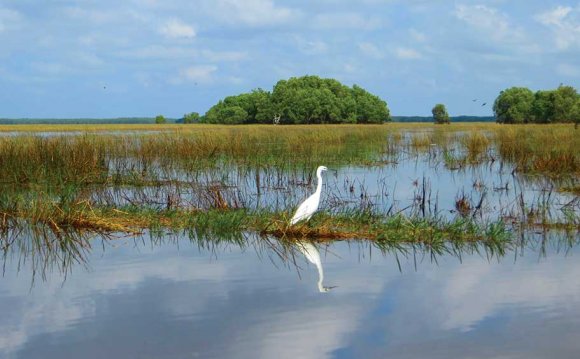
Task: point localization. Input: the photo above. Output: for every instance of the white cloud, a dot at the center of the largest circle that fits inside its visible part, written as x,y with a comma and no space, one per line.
405,53
89,59
345,20
92,15
251,12
417,35
198,73
224,56
312,47
349,68
183,53
568,70
49,68
9,19
555,17
160,52
370,50
564,22
177,29
490,23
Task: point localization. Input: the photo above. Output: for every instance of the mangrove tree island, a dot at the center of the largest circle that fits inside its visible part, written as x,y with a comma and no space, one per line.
301,100
521,105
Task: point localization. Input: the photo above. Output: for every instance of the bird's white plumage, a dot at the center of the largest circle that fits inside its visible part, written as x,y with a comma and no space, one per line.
310,205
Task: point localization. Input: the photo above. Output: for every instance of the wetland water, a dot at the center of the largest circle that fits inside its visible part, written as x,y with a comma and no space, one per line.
173,299
183,294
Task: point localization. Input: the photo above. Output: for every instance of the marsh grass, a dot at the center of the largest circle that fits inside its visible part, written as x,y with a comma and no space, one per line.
476,144
32,159
420,141
552,150
452,161
394,229
100,159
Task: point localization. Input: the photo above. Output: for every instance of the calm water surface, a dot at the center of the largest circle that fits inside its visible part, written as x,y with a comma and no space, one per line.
135,299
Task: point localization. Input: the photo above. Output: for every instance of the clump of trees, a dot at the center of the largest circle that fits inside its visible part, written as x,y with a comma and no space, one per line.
160,119
192,117
440,115
301,100
521,105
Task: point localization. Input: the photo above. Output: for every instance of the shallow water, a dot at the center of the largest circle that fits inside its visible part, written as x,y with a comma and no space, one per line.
171,297
388,188
174,299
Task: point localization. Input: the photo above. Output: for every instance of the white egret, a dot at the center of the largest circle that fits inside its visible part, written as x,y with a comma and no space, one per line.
312,254
308,207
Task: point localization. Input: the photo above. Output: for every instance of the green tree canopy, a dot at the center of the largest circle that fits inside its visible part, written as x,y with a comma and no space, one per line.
311,99
369,108
302,100
192,117
160,119
229,112
519,105
514,105
565,100
440,115
543,106
256,105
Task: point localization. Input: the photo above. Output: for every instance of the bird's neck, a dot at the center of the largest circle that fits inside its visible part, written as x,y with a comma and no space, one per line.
319,184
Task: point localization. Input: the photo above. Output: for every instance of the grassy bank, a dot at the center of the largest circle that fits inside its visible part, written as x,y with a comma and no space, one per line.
61,219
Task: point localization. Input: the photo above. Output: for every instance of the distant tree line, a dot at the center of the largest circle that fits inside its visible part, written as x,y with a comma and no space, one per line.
74,121
521,105
301,100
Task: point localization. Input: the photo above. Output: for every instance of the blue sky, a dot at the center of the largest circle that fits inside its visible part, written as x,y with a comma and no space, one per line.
85,58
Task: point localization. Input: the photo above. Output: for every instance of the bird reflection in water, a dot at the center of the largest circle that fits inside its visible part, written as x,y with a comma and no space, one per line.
311,253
